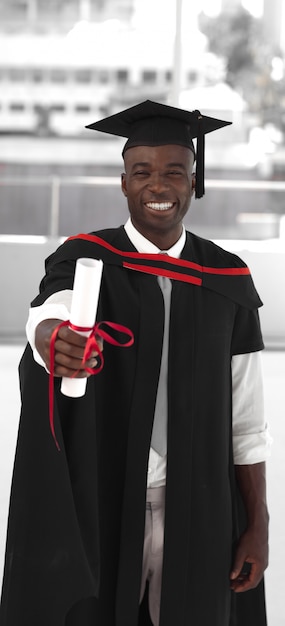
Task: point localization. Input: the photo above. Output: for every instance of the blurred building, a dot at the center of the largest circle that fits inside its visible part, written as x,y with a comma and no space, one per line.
54,82
59,15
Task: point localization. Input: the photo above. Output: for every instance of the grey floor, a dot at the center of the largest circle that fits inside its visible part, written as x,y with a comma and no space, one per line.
274,374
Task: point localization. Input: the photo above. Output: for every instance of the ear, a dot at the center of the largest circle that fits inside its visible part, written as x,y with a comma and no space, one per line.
123,184
193,182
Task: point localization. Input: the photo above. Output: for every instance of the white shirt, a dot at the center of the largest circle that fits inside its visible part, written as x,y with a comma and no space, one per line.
251,438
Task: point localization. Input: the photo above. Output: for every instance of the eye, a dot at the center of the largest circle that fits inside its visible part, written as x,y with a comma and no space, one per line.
174,173
140,173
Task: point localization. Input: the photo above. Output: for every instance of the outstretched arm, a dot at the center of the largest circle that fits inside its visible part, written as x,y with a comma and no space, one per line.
252,547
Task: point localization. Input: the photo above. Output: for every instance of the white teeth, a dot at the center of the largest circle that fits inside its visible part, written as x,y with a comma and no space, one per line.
159,206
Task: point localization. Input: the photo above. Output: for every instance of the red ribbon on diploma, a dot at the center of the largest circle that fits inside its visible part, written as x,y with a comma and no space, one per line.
91,345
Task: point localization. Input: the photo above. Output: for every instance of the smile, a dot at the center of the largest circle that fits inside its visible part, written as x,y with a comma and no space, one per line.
160,206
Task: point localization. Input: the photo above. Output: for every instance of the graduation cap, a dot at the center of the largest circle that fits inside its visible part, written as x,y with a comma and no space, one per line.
154,124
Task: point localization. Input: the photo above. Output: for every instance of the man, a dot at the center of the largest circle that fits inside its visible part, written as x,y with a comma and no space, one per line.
129,524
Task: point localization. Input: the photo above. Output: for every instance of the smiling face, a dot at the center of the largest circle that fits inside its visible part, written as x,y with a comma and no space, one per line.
158,184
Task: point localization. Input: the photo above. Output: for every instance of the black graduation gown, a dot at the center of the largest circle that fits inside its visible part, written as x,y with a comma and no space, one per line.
76,520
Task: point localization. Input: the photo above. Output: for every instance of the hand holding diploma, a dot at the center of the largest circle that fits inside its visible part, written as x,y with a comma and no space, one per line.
70,345
86,288
69,350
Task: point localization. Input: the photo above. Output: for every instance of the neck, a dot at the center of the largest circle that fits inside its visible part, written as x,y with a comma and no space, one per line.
163,241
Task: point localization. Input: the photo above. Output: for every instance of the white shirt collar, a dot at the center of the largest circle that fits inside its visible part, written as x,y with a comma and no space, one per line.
144,246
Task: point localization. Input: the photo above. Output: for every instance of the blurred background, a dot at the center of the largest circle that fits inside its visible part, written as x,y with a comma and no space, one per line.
67,63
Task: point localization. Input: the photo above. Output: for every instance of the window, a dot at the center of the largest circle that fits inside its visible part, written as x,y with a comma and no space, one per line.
15,9
83,76
16,107
82,108
149,76
58,108
17,75
4,73
103,76
37,76
58,76
122,76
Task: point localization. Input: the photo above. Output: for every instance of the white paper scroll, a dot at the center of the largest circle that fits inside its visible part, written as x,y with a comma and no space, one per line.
86,287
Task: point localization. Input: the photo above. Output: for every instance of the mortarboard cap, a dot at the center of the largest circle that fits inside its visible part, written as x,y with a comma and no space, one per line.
154,124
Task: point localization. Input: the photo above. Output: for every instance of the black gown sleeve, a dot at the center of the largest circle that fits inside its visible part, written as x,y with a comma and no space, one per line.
247,335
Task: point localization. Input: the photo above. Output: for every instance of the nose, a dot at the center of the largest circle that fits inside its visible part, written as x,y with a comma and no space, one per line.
157,182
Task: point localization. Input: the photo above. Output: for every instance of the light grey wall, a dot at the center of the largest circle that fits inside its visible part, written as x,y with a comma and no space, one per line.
266,260
21,269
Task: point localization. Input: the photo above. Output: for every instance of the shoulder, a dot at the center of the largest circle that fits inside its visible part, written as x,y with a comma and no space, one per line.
207,253
85,245
222,271
108,234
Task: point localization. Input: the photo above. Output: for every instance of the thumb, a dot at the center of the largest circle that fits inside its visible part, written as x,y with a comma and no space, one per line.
237,565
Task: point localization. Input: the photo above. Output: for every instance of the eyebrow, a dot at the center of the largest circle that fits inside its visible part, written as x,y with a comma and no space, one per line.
176,165
148,164
141,164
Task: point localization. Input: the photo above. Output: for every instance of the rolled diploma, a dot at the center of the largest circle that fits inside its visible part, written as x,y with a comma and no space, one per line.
86,287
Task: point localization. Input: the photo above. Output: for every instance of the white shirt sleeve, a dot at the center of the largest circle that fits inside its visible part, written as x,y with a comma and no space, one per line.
57,306
251,438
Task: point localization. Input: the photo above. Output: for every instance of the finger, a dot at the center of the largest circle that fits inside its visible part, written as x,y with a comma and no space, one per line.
248,579
239,561
64,372
70,342
99,342
70,336
100,348
68,349
68,361
91,363
240,583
